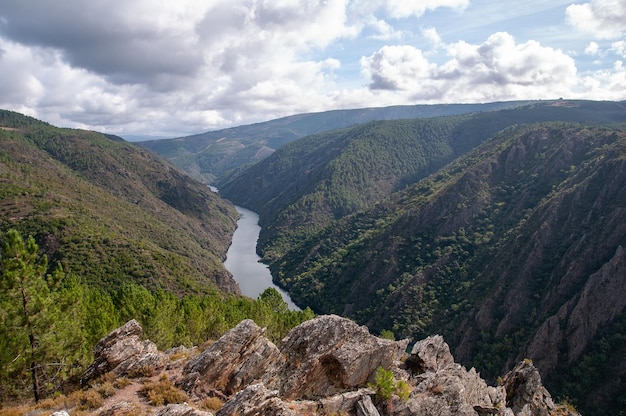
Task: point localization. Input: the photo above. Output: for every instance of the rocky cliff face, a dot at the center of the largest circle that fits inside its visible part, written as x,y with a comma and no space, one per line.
326,366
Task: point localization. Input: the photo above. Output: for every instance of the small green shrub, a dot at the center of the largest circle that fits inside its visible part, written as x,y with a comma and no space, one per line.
387,334
386,385
403,390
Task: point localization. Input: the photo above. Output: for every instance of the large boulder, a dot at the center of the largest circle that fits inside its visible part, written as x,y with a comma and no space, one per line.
329,355
324,366
240,357
124,353
451,391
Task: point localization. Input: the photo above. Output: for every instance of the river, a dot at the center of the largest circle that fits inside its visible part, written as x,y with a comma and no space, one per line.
243,262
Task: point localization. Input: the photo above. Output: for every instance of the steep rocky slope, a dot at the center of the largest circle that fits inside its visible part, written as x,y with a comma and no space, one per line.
515,250
328,365
512,250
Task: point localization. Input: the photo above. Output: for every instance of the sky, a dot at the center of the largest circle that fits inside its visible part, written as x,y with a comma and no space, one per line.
171,68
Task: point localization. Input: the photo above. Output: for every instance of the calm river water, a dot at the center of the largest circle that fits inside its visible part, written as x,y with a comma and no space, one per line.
243,262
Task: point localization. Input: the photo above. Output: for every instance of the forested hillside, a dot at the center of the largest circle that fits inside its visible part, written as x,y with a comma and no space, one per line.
110,211
213,155
513,250
309,183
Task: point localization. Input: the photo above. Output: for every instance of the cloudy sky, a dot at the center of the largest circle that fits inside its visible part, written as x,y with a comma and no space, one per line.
177,67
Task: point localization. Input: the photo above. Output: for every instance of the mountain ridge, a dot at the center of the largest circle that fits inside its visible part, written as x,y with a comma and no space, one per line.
215,154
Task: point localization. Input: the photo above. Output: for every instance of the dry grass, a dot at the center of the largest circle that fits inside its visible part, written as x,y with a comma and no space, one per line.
77,403
211,403
162,392
120,383
143,371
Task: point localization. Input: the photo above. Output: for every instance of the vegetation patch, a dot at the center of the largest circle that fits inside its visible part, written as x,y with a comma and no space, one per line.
163,392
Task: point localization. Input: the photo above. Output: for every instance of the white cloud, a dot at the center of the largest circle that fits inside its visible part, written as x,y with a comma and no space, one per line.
494,70
432,36
181,67
403,8
592,49
619,48
603,19
396,68
606,84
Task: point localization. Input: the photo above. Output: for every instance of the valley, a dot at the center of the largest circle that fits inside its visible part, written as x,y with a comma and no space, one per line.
499,226
495,222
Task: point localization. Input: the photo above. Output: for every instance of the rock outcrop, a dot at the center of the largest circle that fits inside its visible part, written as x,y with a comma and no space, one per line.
330,355
325,366
525,393
240,357
181,410
123,352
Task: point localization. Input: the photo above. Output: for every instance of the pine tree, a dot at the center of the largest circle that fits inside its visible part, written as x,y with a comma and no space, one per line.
41,319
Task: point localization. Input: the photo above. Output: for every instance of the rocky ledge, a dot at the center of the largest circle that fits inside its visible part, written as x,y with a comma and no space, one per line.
326,366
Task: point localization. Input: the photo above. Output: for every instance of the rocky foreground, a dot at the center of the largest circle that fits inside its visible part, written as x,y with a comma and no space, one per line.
326,366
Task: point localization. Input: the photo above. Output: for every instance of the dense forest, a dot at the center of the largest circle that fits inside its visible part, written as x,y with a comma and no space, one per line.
492,229
95,231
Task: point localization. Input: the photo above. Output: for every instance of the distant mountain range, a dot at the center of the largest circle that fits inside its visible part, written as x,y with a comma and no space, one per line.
212,155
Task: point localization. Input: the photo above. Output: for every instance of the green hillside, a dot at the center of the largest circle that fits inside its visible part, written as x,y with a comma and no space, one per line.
309,183
110,211
493,252
213,155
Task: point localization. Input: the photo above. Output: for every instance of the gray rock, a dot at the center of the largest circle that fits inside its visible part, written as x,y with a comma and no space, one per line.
121,409
181,410
329,355
450,391
365,407
122,351
237,359
429,355
343,403
60,413
525,393
256,400
321,367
